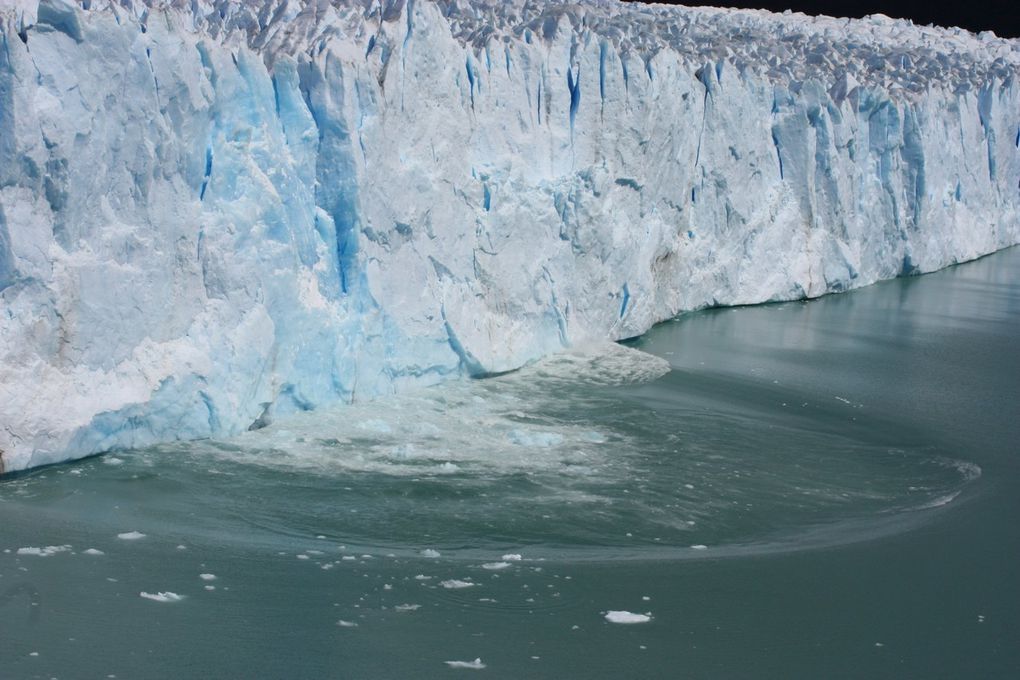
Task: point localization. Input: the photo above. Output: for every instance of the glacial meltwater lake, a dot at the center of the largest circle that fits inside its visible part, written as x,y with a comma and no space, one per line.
821,489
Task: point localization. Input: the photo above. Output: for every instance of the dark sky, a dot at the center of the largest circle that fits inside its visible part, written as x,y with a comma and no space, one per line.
1001,16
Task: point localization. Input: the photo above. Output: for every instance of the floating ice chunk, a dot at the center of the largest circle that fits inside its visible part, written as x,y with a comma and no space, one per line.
429,552
376,425
454,583
131,536
699,546
422,577
207,577
627,617
407,607
474,665
535,438
495,566
511,557
44,552
93,551
162,596
346,624
406,451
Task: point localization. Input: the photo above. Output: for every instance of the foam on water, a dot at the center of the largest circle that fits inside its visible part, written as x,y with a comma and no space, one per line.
498,425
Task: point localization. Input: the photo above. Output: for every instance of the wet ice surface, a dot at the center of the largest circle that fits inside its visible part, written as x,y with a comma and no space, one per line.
161,597
695,498
474,665
625,617
131,536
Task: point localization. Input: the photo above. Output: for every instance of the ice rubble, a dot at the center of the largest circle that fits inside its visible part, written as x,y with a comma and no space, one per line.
213,213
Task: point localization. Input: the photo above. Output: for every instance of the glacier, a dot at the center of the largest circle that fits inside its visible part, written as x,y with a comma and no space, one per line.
215,213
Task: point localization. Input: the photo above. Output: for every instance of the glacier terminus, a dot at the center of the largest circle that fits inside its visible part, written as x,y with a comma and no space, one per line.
214,213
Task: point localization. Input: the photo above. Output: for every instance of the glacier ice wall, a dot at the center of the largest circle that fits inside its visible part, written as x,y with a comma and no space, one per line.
213,213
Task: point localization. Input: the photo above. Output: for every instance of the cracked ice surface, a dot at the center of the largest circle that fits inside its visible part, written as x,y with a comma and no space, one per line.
214,213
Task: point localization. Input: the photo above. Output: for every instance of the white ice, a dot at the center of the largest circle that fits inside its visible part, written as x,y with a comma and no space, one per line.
627,617
162,596
131,536
475,665
211,219
44,552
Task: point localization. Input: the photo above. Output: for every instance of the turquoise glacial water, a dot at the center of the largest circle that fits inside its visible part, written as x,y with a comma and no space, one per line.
813,489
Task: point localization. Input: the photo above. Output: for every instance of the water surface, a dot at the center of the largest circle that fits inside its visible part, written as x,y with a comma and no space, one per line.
811,489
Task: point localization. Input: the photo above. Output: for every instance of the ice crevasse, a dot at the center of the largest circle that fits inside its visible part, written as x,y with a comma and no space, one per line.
214,213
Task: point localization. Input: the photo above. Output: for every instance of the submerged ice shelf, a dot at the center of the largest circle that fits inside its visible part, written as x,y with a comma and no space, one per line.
215,213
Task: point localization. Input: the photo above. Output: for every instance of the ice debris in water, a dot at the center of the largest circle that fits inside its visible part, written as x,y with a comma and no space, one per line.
512,557
407,607
538,439
44,552
429,552
207,577
346,624
627,617
131,536
93,551
453,584
161,596
495,566
475,665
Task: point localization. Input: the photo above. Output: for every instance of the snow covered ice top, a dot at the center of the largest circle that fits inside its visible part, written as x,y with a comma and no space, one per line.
216,213
876,50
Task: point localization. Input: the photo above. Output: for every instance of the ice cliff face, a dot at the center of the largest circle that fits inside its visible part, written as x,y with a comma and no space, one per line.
214,212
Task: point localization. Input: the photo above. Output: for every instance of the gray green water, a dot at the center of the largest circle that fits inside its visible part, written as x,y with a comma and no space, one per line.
821,489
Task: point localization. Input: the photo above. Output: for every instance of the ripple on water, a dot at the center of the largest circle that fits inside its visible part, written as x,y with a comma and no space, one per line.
566,458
